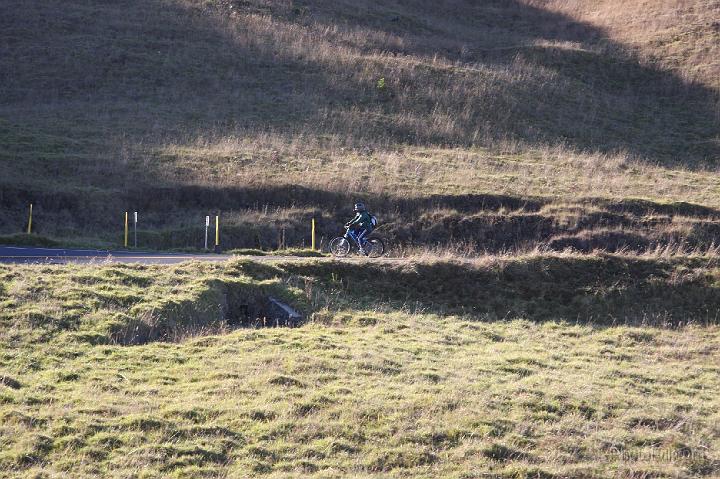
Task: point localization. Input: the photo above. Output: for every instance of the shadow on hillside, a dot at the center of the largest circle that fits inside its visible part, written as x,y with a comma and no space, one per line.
273,197
598,97
601,289
273,217
155,73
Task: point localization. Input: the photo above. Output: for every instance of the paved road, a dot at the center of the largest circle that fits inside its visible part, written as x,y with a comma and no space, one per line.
12,254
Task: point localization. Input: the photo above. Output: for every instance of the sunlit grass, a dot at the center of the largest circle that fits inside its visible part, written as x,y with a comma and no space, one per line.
388,378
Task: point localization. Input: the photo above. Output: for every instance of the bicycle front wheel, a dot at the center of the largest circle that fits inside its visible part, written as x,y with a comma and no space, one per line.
339,247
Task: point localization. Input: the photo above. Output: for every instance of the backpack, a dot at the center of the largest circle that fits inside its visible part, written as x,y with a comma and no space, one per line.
373,221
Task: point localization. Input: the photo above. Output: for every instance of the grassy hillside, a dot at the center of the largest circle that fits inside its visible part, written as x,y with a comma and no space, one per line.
553,366
678,36
181,108
570,147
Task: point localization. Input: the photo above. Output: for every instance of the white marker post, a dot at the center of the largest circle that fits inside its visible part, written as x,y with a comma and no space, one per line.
207,225
135,231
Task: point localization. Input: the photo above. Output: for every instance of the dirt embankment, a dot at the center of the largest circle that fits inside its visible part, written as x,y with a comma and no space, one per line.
273,217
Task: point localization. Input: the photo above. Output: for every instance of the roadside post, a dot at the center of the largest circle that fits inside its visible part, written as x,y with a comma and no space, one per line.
313,235
29,230
207,225
135,228
126,230
217,233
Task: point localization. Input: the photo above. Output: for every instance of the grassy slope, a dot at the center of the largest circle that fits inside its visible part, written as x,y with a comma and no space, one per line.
681,36
525,99
380,383
527,122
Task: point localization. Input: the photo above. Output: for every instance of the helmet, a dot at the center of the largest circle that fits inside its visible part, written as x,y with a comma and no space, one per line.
359,207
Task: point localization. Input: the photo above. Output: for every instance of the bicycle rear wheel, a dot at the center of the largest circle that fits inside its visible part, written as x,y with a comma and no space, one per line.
377,247
339,247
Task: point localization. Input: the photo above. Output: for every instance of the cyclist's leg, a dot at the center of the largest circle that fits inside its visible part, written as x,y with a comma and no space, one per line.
362,241
352,234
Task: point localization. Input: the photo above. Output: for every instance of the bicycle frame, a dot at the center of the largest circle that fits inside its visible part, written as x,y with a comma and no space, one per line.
350,235
342,245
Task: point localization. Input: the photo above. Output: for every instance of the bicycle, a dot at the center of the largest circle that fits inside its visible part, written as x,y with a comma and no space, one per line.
342,245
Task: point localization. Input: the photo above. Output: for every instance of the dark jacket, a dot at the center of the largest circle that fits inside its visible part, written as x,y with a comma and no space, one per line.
361,219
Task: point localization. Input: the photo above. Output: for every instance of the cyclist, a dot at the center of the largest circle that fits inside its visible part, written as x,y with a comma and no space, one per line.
360,226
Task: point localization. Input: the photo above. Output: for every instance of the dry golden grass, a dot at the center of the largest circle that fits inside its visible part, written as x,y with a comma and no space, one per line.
554,172
683,36
476,126
103,104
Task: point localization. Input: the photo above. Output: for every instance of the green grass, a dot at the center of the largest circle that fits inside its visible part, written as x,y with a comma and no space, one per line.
379,383
516,126
299,252
24,239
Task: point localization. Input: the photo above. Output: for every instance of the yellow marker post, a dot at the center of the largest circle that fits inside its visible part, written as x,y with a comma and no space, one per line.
217,231
313,235
30,221
126,229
